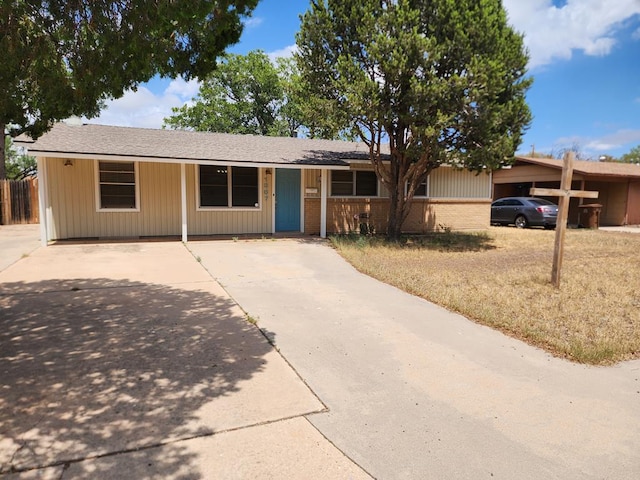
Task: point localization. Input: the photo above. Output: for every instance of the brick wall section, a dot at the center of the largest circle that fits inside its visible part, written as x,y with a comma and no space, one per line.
426,215
312,216
343,213
455,214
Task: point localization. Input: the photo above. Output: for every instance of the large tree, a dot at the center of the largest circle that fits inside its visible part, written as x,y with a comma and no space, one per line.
18,165
442,81
64,58
632,156
246,94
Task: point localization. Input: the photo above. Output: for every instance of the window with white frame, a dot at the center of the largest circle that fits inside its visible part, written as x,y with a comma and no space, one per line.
117,186
421,190
359,183
226,187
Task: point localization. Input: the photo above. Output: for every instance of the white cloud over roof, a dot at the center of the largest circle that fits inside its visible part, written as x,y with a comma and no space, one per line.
614,140
146,109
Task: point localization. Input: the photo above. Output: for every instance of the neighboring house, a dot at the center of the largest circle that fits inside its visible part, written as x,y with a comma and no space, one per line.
108,182
618,185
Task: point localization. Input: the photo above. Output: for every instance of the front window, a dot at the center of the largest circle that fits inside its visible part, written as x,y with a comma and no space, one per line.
117,186
222,186
359,183
421,190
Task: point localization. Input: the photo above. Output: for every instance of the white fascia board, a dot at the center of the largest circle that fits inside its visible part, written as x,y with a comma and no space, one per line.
187,161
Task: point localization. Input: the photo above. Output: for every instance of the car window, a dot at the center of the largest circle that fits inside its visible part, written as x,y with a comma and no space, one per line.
498,203
513,202
540,201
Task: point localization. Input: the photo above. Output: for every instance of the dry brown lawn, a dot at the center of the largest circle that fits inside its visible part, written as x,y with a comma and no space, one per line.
501,278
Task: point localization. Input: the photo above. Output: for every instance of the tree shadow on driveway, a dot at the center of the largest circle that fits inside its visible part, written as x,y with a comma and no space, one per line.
91,368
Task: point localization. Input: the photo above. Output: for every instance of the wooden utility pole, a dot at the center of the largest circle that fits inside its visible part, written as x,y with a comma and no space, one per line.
565,194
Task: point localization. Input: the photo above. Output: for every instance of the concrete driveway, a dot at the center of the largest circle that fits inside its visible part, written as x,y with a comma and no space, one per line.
17,241
414,391
129,361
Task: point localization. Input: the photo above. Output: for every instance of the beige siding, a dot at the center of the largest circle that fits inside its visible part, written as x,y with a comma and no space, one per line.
444,182
72,200
459,200
447,182
312,182
530,174
229,221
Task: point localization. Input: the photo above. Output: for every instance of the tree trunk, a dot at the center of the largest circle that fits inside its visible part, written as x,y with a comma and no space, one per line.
3,154
396,213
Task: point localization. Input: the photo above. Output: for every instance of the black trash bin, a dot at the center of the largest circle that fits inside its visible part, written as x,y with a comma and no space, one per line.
590,215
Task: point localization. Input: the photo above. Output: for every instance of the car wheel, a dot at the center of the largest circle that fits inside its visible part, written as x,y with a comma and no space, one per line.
521,222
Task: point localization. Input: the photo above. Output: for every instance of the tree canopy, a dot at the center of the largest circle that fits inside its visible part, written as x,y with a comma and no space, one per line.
66,58
19,166
632,156
442,81
250,94
246,94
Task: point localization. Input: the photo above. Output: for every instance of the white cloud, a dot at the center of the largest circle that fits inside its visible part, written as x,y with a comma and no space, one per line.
146,109
614,143
620,139
182,88
253,22
636,35
554,33
285,52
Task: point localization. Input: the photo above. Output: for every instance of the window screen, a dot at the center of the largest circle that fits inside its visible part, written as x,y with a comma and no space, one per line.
117,183
222,186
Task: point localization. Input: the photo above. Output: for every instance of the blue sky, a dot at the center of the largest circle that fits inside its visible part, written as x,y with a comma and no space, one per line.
585,61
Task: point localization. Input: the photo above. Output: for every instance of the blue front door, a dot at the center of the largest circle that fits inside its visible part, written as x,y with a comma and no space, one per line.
287,200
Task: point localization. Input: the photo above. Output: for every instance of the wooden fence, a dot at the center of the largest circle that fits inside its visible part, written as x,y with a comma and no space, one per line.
19,201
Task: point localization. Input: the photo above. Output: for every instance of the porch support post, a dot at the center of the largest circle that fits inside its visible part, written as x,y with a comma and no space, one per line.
302,196
323,203
183,200
491,186
42,201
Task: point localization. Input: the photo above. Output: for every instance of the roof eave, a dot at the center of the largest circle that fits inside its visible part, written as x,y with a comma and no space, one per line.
343,165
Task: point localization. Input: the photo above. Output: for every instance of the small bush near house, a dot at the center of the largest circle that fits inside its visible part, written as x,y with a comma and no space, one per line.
501,278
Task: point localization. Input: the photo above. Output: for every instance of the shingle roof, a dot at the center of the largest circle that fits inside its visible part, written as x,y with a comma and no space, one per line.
604,169
149,144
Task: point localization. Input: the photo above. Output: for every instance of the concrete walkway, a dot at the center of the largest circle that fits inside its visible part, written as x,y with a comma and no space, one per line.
415,391
128,361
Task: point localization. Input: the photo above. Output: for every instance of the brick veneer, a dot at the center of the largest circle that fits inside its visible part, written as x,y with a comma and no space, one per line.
426,215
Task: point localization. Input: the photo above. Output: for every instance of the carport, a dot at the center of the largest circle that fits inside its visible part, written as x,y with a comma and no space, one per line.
618,185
